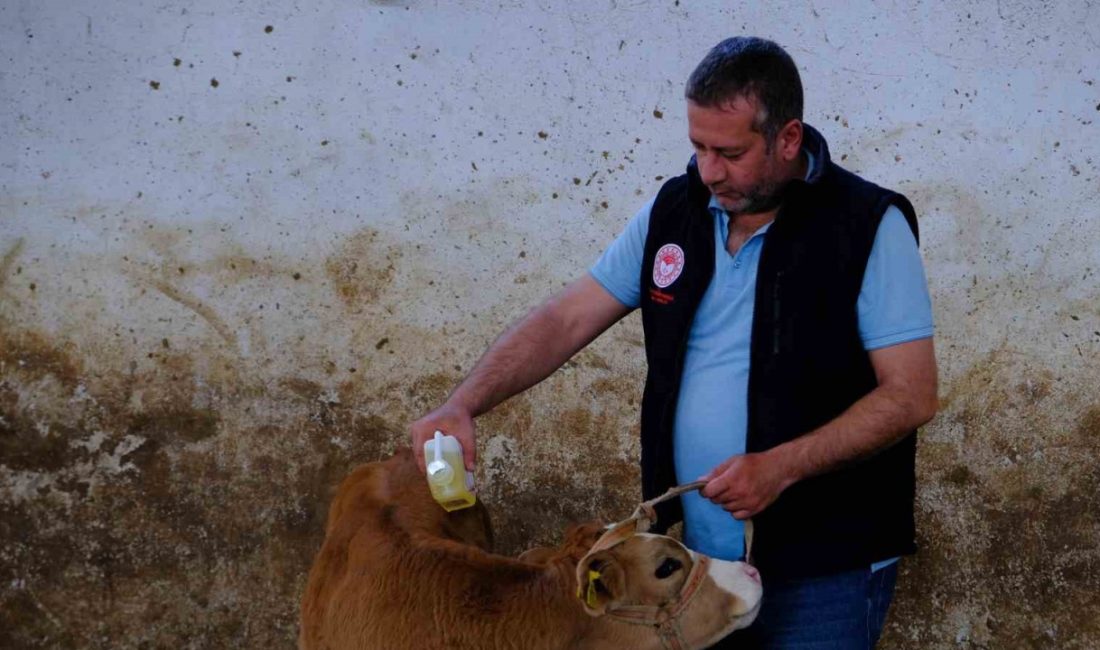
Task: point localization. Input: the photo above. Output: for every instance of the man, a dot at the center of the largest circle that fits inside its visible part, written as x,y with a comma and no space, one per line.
788,331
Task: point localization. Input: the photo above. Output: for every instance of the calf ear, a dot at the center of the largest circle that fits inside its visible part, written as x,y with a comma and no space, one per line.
600,582
584,534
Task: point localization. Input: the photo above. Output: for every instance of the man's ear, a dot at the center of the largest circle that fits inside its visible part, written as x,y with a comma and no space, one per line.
789,140
600,582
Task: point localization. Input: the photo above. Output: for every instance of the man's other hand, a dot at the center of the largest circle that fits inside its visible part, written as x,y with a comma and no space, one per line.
745,485
452,420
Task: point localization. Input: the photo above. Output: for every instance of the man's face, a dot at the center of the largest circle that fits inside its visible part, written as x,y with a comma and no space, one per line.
734,160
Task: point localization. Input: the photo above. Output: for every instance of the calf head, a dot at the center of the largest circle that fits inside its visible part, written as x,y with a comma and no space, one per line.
691,600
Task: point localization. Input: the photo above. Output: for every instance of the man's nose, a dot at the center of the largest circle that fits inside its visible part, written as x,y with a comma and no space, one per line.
710,169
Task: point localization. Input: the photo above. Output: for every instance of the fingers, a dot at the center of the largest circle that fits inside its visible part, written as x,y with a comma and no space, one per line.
740,509
417,446
718,490
469,454
452,421
420,432
727,488
732,500
719,480
743,486
461,426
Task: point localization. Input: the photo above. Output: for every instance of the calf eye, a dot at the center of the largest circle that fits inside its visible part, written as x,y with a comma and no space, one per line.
667,568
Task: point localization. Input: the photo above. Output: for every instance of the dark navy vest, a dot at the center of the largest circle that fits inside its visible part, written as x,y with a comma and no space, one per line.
807,362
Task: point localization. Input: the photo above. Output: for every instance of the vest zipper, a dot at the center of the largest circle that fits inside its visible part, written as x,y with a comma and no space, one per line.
776,325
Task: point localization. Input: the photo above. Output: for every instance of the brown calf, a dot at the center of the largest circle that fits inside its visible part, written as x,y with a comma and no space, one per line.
397,572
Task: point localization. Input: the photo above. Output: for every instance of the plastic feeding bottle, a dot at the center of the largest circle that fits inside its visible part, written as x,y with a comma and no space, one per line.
447,476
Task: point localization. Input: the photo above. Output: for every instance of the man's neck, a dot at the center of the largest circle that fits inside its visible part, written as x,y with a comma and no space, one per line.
750,223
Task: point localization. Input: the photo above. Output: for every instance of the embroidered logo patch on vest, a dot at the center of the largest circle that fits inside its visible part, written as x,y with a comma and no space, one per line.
668,265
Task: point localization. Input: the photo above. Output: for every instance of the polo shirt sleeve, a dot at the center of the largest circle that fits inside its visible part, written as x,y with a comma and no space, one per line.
619,269
894,306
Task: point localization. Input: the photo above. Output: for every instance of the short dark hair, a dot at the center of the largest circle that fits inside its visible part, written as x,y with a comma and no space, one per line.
752,68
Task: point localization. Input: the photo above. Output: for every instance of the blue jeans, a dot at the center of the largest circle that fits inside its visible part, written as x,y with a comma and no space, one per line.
843,611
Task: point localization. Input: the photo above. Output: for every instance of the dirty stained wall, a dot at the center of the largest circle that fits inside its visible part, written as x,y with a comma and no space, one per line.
243,245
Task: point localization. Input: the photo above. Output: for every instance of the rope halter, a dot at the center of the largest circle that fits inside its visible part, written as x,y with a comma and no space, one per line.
665,618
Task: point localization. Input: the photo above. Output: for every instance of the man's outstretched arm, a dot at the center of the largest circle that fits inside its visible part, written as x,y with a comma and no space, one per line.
525,354
904,399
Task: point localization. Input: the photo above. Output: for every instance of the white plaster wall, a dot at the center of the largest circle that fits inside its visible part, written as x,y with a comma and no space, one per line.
990,103
384,185
983,112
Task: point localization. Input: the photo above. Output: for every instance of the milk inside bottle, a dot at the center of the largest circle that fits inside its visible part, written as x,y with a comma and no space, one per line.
447,476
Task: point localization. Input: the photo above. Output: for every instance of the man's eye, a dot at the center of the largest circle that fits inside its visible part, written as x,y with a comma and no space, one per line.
731,156
667,568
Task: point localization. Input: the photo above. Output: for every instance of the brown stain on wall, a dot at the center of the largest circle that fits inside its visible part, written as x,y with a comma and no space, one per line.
363,268
129,513
196,305
171,504
236,266
33,354
538,493
8,261
1008,514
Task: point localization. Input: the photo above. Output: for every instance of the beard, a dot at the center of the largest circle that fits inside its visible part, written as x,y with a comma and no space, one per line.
762,197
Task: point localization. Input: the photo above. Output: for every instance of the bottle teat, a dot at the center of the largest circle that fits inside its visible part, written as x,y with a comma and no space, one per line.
439,470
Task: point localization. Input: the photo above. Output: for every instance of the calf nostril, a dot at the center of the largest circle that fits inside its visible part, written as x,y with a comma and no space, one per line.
752,573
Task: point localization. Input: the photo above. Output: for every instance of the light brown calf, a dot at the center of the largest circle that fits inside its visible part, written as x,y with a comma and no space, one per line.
396,572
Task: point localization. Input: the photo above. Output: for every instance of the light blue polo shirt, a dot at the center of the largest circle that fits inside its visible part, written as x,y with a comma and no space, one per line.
710,426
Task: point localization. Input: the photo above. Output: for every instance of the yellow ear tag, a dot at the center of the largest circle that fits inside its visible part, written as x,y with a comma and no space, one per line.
591,597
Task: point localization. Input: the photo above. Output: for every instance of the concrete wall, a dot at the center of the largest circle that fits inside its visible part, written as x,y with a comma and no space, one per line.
243,244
